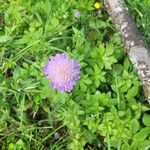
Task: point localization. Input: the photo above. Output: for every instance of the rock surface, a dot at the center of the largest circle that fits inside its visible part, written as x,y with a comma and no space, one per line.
136,48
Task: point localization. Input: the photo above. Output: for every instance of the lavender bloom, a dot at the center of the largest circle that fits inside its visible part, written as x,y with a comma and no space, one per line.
63,72
77,14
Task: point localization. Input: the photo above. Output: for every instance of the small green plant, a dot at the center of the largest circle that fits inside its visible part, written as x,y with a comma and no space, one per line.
106,108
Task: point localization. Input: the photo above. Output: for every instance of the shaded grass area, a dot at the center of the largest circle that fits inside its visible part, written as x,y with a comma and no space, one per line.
140,11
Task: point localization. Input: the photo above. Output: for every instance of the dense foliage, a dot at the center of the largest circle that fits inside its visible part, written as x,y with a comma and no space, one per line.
105,110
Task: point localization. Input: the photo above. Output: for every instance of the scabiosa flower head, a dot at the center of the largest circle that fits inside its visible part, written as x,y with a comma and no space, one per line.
62,71
77,14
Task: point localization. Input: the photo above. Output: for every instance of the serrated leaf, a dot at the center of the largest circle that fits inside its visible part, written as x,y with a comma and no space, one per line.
48,8
101,50
126,86
109,61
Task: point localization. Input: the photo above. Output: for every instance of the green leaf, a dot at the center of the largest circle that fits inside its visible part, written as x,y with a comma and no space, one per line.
125,146
54,22
134,125
109,50
132,92
117,70
146,120
126,86
16,72
5,38
142,134
127,64
145,108
48,8
144,145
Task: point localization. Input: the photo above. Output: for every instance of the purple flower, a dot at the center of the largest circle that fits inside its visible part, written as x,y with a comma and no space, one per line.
77,14
63,72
